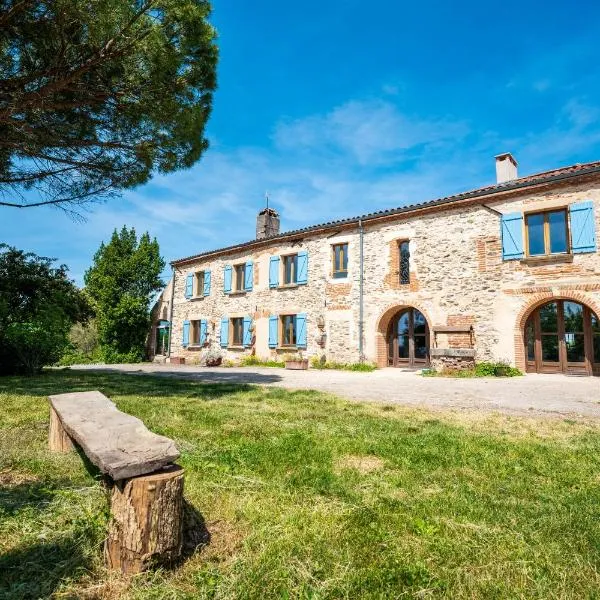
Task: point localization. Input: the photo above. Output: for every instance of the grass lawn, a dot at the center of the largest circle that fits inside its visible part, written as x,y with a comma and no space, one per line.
309,496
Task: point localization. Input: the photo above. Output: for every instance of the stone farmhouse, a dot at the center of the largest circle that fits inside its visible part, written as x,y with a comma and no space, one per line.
506,272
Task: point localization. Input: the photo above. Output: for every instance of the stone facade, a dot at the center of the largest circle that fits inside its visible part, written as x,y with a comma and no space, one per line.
470,297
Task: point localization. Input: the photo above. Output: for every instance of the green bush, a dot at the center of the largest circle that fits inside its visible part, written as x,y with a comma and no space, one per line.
482,369
255,361
317,363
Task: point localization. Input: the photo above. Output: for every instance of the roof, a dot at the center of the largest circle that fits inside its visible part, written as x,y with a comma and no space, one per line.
555,175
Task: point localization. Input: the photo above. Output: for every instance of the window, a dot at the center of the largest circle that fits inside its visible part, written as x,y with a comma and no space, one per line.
547,233
199,283
290,269
404,259
288,335
340,260
195,333
240,277
237,328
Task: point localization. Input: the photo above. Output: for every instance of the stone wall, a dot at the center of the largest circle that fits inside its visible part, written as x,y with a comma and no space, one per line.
457,278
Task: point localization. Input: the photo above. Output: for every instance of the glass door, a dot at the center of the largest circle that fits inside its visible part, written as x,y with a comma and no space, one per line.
408,341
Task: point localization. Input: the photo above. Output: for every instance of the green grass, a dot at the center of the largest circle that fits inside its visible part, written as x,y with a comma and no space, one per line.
255,361
309,496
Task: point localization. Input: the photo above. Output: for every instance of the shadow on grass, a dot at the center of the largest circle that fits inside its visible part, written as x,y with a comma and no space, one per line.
114,383
36,570
35,494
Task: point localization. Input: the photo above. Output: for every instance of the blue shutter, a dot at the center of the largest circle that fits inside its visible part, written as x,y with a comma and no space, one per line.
583,227
249,276
274,272
512,236
301,330
186,334
203,331
273,326
302,267
227,279
246,332
224,332
206,290
189,285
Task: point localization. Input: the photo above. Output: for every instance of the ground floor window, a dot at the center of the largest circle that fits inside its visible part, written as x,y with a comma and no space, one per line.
562,336
288,330
237,329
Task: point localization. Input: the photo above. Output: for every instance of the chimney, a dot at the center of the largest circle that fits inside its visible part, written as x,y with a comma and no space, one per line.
267,223
506,168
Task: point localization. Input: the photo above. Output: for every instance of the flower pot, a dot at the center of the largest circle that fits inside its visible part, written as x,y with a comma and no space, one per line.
301,365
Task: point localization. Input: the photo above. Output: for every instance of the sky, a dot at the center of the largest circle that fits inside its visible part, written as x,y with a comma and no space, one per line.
340,108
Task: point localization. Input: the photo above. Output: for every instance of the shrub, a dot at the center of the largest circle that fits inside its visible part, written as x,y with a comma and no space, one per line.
483,369
318,363
255,361
213,357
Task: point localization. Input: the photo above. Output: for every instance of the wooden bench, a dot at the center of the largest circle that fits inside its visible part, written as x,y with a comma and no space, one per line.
146,487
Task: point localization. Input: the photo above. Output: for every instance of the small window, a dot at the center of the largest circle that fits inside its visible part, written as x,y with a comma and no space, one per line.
240,277
404,259
340,260
290,269
199,283
288,330
237,329
194,333
547,233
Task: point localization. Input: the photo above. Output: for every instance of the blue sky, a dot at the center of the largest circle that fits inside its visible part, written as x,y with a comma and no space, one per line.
339,108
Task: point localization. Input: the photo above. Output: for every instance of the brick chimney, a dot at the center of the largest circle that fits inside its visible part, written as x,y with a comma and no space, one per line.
267,223
506,168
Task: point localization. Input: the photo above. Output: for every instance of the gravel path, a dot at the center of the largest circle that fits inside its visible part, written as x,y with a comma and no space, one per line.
533,394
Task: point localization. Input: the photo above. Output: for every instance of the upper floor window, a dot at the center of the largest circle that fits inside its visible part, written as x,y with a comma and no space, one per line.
404,260
547,233
290,269
197,284
240,277
340,260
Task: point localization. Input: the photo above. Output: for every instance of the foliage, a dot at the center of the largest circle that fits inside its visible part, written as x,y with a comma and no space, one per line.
317,363
121,283
483,369
255,361
309,496
98,95
38,305
83,346
213,357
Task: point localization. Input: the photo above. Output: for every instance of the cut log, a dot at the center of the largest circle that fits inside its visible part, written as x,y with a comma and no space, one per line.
146,521
120,445
58,438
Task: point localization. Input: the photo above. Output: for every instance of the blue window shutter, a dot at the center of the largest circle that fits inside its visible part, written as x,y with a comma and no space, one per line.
302,267
249,277
189,285
247,333
186,334
274,272
227,279
301,330
206,290
273,327
203,330
224,332
583,227
512,236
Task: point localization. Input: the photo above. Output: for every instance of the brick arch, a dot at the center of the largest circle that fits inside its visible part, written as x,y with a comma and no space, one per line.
383,323
537,300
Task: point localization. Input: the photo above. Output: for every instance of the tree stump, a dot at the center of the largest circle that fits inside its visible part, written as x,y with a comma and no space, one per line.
146,526
58,438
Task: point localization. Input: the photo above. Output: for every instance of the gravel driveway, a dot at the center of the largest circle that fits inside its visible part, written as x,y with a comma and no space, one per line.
531,394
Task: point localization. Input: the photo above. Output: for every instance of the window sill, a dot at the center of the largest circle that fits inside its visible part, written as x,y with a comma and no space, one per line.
287,286
195,346
547,259
342,278
197,297
236,293
232,347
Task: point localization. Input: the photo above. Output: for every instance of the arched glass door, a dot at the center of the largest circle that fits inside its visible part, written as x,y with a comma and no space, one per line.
408,339
563,336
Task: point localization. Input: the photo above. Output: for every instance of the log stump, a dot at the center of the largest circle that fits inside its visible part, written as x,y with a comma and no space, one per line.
58,438
146,526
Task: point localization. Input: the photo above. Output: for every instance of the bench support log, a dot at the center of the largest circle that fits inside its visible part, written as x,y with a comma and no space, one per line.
146,525
58,438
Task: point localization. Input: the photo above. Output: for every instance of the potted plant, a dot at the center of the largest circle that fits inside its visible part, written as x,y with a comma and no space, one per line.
296,361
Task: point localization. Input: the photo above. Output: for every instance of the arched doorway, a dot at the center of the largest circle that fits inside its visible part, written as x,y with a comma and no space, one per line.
562,336
408,339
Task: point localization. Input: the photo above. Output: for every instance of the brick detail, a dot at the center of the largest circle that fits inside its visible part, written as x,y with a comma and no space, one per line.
338,296
391,280
489,253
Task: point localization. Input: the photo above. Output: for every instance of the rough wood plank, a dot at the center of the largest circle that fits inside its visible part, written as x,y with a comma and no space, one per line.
146,521
119,444
58,438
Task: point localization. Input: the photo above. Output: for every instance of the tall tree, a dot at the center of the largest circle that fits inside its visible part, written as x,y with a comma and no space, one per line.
121,284
38,305
97,95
